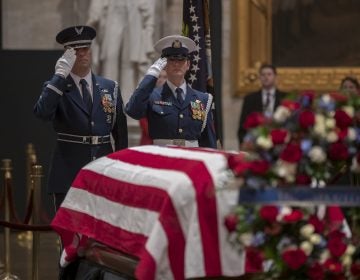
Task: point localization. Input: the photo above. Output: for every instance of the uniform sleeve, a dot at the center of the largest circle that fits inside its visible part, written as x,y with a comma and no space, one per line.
45,107
120,131
138,103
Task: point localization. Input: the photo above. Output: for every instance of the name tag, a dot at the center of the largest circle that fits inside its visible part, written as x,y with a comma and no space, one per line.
162,103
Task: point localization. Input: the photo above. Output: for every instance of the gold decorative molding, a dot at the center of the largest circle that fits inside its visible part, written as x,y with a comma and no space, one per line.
251,46
320,79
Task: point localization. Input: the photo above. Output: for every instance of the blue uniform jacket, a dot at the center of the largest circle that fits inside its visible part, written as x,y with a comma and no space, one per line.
167,118
61,103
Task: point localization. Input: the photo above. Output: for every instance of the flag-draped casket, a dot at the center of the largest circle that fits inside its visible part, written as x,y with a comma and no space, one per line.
163,205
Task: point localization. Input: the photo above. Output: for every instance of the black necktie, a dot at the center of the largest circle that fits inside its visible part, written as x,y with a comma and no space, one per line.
86,95
179,96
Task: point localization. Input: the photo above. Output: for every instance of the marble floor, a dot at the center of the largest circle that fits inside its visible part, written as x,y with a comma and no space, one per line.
21,256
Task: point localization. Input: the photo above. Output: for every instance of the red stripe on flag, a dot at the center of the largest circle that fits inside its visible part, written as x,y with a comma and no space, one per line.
115,237
145,197
205,196
147,267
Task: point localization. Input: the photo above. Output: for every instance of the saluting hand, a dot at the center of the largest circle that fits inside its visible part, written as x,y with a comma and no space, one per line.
65,63
156,68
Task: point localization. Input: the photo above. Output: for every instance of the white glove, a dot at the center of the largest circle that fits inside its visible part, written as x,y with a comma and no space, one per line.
65,63
156,68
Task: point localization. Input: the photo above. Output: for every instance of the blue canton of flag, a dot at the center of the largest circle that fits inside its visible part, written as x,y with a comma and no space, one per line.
194,28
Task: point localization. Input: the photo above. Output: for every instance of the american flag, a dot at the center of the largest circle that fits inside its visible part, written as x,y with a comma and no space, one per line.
163,205
196,27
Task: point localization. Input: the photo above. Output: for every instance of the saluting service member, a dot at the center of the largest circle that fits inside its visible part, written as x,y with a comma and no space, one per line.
86,111
177,114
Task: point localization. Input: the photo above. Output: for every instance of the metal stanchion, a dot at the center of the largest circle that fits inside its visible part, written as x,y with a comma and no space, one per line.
31,159
6,275
36,182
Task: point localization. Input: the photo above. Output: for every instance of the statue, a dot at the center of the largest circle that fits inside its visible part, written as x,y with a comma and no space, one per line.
124,47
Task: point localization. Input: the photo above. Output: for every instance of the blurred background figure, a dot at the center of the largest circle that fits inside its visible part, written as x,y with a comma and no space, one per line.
265,100
144,125
350,84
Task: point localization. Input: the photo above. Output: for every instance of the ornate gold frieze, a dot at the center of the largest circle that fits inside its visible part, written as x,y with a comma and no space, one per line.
251,46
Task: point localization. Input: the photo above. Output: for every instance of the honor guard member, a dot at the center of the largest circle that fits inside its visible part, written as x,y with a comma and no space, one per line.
177,114
86,111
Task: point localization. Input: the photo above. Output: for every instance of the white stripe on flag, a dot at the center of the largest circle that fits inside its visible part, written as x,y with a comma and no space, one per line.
132,219
156,245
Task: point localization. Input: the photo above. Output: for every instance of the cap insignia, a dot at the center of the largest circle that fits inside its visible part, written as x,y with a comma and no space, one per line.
176,44
79,30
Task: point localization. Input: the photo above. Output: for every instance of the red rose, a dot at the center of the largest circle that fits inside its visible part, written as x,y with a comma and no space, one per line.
269,213
291,105
254,260
355,268
332,265
293,217
339,97
315,272
334,214
336,246
254,119
259,167
294,258
231,221
292,153
342,119
278,136
306,119
336,234
238,164
338,151
303,179
317,223
342,133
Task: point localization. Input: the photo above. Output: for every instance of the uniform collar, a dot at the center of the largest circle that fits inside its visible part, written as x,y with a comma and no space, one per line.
87,78
173,87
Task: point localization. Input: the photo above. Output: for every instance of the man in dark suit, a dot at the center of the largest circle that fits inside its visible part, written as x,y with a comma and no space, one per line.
264,101
86,111
177,114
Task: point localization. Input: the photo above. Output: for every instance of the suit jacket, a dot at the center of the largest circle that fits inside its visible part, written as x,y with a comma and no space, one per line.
253,103
61,103
169,119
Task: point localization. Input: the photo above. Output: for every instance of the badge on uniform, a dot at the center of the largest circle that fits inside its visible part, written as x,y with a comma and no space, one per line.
197,110
108,104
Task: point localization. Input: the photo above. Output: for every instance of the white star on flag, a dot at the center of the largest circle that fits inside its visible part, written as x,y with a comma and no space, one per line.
195,68
192,78
196,38
194,18
196,58
196,28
